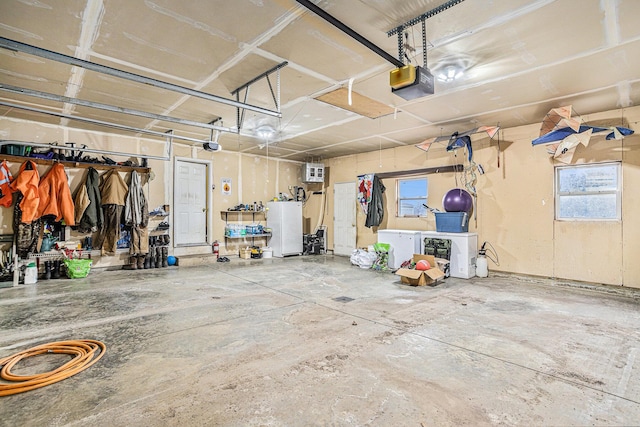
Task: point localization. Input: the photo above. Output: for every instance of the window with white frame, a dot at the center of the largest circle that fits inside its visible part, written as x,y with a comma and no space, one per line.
412,196
588,192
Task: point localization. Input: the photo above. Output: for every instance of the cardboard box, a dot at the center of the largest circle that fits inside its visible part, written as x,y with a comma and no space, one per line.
419,277
245,253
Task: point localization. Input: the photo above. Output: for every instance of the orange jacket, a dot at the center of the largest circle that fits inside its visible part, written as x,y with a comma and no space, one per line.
27,183
6,195
55,196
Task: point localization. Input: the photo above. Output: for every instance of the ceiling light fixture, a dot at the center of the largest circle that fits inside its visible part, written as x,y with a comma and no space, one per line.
265,132
450,73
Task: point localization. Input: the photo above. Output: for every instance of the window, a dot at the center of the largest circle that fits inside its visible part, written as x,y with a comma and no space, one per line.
412,196
588,192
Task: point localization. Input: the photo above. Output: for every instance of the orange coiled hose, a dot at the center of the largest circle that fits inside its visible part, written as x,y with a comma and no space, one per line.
85,352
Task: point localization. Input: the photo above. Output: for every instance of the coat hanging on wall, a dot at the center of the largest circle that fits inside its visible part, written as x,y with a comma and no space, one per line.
6,198
26,228
365,186
136,216
113,191
55,196
27,183
375,210
89,204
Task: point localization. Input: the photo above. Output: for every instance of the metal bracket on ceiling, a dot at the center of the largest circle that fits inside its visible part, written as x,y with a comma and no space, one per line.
168,144
399,30
274,95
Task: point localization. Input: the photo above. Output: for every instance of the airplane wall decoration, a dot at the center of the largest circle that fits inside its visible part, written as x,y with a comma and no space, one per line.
562,133
459,140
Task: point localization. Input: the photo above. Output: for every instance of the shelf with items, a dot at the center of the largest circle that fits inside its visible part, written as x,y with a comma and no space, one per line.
244,236
161,213
74,164
158,231
240,230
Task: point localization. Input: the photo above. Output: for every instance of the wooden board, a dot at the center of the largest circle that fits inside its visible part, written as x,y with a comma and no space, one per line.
360,104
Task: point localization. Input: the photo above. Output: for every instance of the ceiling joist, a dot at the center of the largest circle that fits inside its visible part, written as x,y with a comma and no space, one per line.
70,60
99,122
112,108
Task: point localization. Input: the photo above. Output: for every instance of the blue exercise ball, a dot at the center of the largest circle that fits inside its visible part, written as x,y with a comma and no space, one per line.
171,260
457,200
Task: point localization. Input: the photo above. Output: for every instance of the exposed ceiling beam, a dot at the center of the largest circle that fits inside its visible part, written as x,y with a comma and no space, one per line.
100,122
112,108
350,32
70,60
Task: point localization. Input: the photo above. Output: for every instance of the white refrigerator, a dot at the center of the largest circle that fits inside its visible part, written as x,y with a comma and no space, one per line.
464,250
285,221
404,244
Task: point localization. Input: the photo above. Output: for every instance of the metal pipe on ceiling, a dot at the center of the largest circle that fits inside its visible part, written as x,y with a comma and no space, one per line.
100,122
350,32
107,107
70,60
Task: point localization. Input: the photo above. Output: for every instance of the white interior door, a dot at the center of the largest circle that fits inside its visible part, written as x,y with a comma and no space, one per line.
190,203
344,218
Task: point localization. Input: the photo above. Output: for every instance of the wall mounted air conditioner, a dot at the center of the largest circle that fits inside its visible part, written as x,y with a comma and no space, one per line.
312,172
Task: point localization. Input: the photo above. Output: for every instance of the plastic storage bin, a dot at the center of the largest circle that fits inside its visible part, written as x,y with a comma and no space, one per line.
254,229
452,222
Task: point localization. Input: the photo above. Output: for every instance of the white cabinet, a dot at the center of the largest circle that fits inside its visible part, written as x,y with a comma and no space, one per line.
404,243
464,250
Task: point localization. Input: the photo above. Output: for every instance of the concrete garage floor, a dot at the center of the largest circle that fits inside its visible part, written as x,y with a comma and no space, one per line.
270,343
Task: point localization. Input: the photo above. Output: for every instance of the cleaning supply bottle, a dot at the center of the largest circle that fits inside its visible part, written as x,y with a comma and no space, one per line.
31,274
482,269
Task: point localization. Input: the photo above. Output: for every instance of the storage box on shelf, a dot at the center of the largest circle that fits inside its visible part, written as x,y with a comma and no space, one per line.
239,230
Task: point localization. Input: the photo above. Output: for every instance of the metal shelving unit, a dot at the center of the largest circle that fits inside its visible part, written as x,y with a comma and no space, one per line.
253,219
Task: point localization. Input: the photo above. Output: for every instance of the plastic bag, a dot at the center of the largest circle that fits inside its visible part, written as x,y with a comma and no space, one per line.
362,258
382,256
77,268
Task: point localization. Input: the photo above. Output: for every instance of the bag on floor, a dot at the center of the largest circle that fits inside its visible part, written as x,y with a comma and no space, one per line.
362,258
77,268
382,256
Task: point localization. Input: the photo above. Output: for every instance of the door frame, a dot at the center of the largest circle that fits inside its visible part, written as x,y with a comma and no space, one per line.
208,185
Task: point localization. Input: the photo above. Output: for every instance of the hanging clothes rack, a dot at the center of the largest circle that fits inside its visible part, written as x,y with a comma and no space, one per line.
85,150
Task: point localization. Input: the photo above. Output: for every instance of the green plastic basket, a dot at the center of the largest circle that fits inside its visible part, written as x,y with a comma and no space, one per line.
77,268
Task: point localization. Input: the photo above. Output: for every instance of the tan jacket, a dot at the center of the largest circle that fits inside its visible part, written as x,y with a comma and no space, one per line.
113,189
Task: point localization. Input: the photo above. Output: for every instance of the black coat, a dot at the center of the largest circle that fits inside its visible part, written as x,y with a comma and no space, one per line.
93,218
375,210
